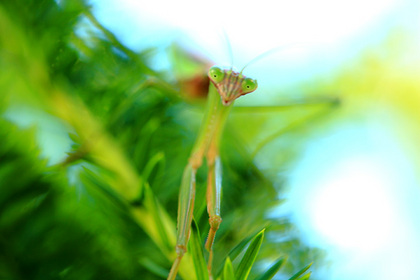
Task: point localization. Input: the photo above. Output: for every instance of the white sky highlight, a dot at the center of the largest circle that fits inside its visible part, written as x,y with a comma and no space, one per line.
349,193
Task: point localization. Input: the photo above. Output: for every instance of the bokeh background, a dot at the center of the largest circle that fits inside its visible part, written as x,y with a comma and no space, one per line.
101,102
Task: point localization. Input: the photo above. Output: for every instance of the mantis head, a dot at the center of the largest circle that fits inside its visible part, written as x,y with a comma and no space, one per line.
231,84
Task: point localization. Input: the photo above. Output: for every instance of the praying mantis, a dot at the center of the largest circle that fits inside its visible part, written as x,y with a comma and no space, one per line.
226,85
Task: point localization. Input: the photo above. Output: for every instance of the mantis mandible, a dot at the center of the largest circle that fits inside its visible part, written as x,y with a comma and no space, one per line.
225,87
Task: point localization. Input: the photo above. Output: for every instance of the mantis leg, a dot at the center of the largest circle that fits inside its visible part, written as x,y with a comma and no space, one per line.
214,191
185,213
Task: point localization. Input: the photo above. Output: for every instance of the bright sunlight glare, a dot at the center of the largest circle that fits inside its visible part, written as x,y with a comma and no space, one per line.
353,207
252,27
360,196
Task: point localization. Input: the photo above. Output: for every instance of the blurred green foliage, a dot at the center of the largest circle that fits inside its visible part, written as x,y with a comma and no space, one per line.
108,209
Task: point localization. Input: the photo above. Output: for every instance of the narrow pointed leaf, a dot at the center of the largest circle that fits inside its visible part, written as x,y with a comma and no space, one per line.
237,250
269,274
249,258
154,267
305,277
196,250
228,273
156,162
300,272
156,212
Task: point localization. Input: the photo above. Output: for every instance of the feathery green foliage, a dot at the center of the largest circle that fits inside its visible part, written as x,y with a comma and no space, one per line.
106,207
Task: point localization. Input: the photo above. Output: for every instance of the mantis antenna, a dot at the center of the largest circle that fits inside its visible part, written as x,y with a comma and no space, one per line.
269,52
229,47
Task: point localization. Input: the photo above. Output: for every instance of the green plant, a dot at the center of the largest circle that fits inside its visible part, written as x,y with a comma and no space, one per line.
106,209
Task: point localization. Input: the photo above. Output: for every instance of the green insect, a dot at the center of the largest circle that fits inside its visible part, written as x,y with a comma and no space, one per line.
226,85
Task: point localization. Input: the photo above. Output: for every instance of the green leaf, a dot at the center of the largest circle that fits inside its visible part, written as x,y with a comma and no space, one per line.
305,277
228,273
154,267
196,250
234,253
300,272
269,274
153,163
249,258
156,212
238,248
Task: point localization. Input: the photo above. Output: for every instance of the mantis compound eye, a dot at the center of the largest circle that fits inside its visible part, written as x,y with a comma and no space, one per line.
249,85
216,74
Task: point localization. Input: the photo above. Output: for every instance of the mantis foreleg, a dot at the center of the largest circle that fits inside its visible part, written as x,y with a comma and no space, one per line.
185,211
214,192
